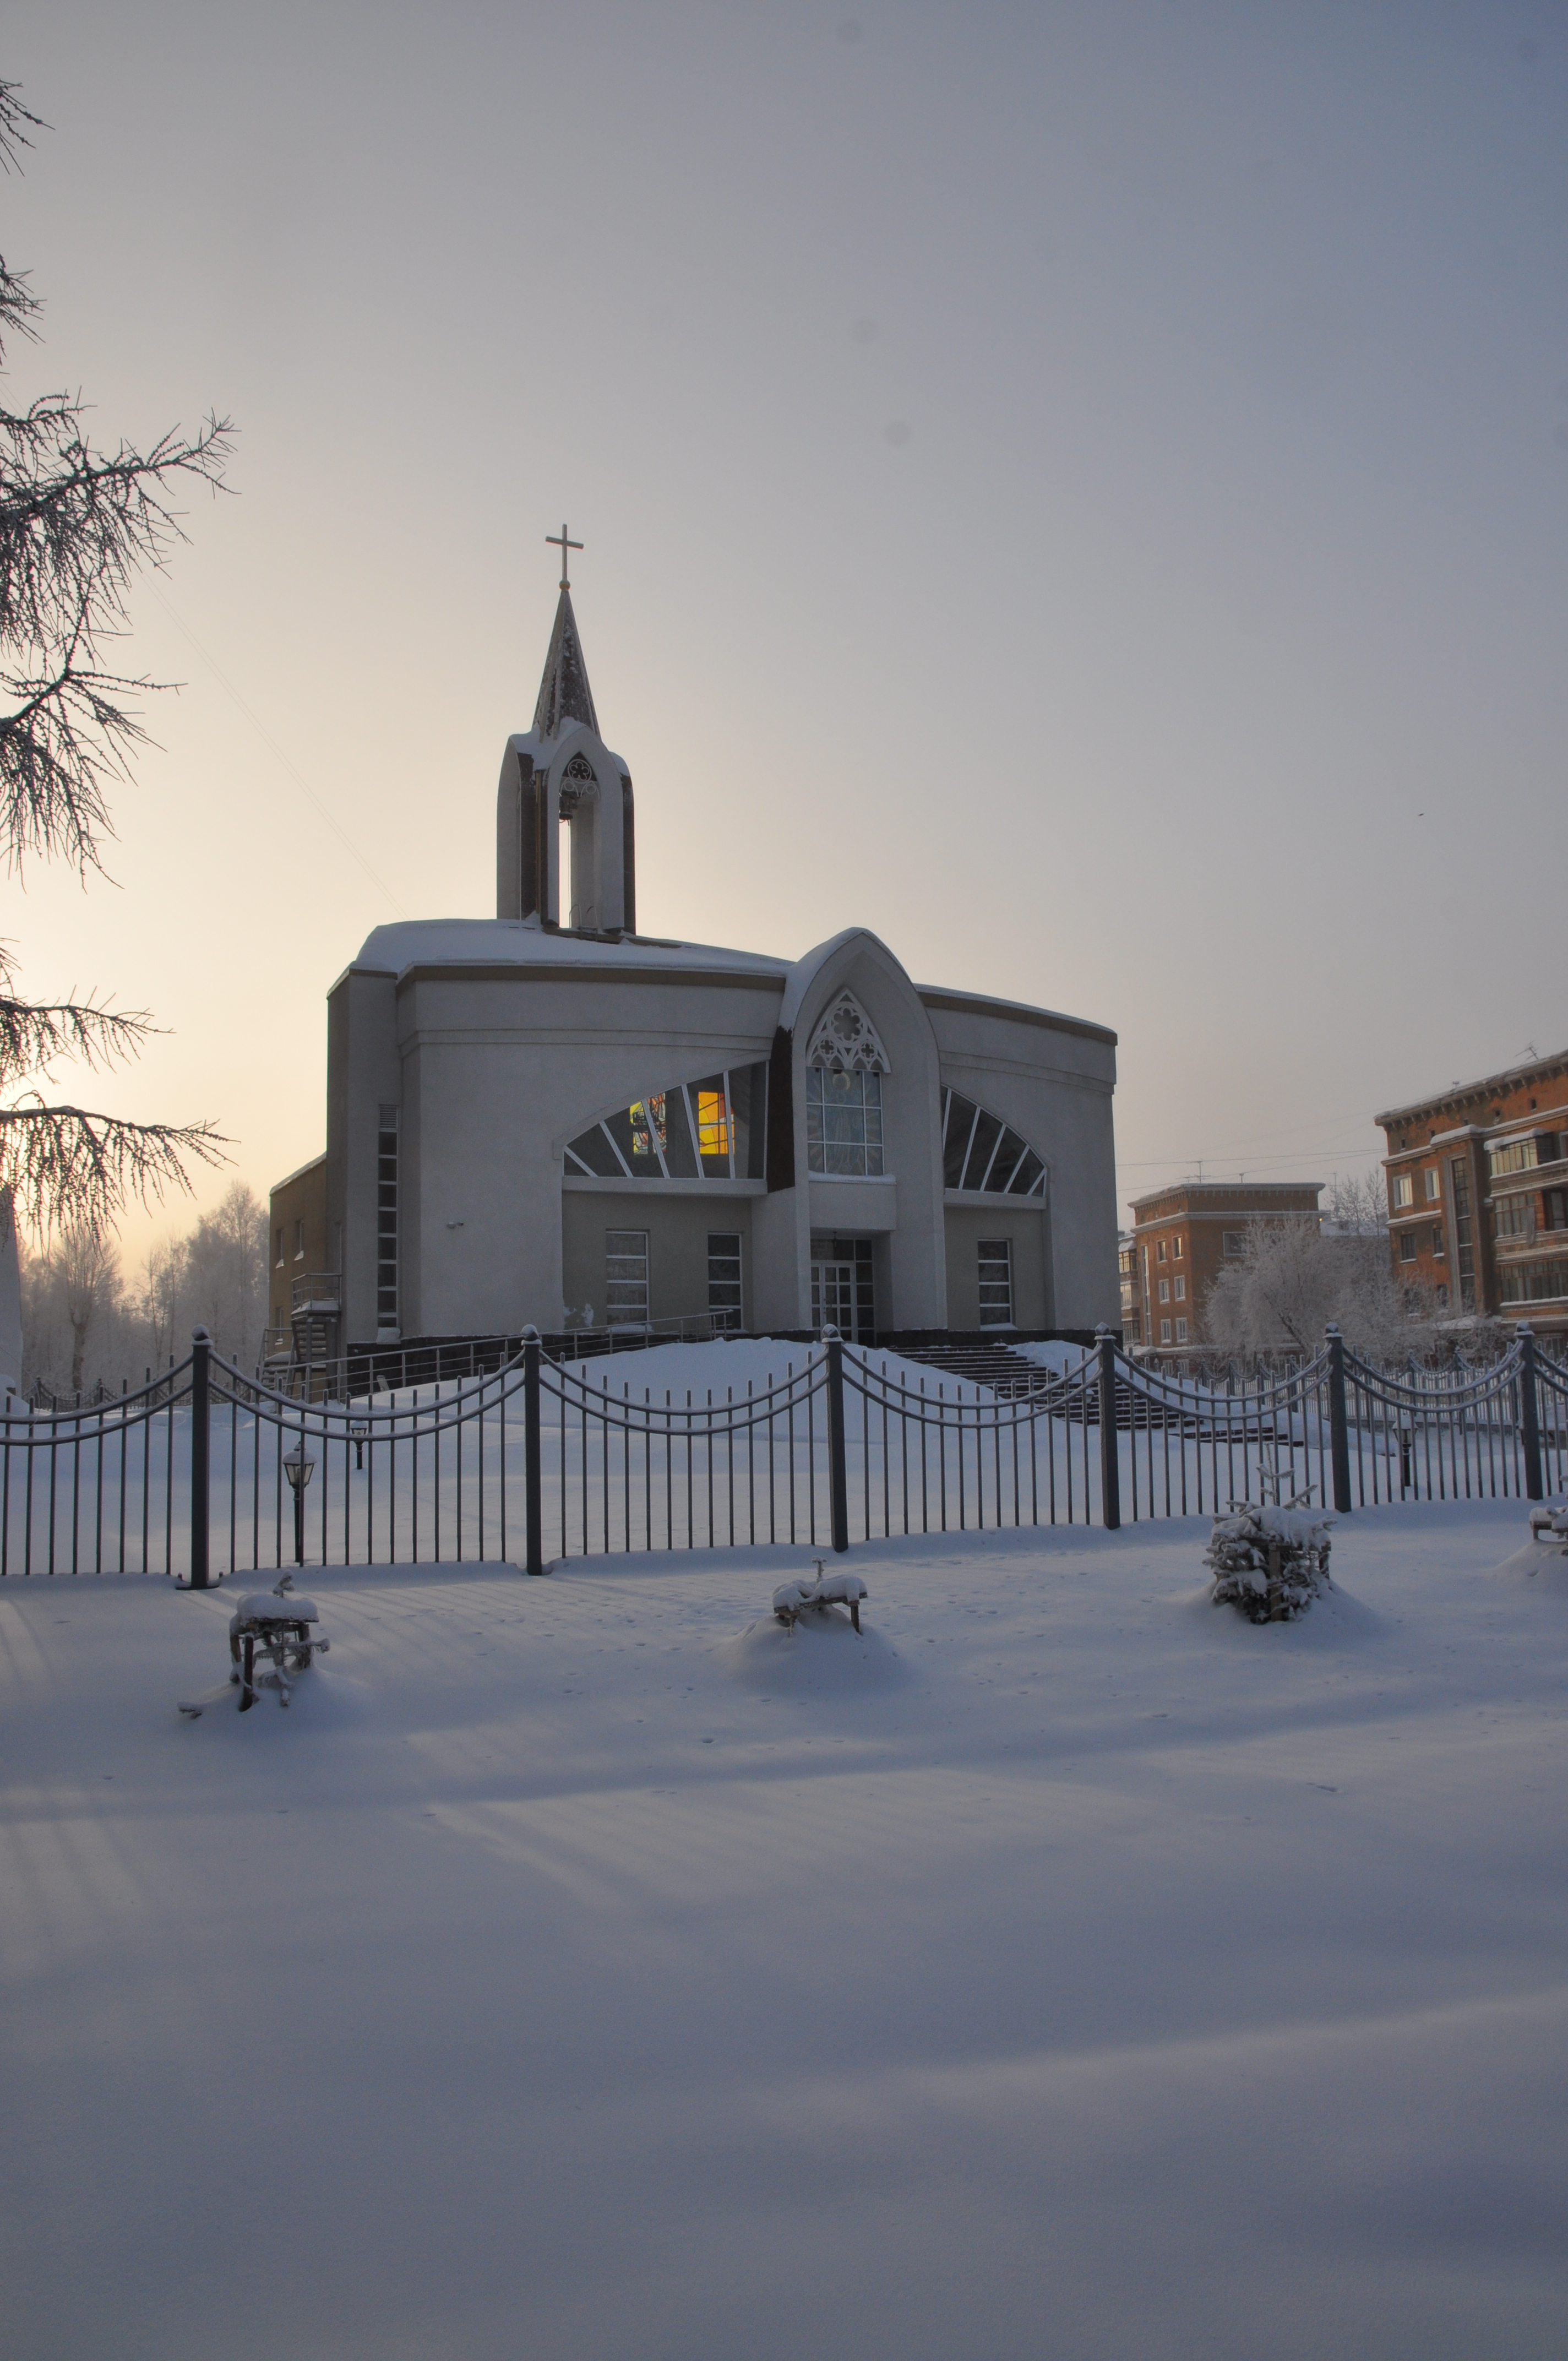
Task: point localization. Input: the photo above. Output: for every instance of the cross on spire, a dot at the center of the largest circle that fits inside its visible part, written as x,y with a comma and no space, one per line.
559,540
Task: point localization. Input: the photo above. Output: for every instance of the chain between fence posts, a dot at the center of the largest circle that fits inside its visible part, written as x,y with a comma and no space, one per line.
1339,1424
532,1509
838,1471
1529,1413
201,1454
1109,1456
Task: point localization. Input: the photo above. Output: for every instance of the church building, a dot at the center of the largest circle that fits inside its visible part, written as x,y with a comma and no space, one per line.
552,1116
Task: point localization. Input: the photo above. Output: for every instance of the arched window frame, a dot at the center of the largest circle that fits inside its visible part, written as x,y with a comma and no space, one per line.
1005,1159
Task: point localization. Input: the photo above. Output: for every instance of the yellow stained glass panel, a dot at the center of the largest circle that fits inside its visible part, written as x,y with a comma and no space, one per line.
713,1136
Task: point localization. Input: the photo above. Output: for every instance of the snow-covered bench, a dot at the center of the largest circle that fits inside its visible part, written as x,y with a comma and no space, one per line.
277,1625
1548,1523
794,1599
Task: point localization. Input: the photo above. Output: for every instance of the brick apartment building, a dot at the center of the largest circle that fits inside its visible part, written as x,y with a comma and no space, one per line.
1478,1194
1182,1238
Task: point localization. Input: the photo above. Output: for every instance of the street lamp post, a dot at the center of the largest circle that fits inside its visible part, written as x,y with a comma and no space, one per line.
299,1468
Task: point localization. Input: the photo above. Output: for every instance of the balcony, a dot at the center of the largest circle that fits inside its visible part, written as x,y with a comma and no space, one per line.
317,1295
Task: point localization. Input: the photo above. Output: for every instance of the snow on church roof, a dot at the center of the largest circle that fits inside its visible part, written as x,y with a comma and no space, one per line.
508,942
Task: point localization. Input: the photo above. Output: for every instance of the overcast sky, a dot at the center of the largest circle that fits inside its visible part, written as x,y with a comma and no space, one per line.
1080,490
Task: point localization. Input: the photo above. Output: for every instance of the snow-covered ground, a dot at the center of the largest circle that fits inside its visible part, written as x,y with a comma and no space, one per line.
585,1968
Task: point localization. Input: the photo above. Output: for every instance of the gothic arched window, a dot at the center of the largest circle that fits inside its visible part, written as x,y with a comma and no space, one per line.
845,1062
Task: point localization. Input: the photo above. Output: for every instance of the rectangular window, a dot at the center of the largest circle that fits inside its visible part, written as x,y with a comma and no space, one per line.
1463,1243
298,1242
1433,1180
1165,1331
1534,1282
1513,1217
1408,1245
1518,1156
1181,1288
724,1305
996,1282
843,1124
626,1279
1159,1250
1176,1250
1231,1242
1165,1291
1554,1207
1404,1189
387,1218
1181,1332
279,1237
1438,1248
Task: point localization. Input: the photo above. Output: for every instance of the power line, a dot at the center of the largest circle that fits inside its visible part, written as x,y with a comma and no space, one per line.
266,735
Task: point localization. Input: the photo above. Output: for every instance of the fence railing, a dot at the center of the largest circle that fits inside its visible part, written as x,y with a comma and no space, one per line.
535,1459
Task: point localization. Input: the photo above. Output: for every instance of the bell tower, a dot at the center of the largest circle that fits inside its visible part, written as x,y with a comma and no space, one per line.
561,774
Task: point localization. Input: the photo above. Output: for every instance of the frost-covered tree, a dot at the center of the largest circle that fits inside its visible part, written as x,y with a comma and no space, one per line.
78,522
1293,1278
224,1275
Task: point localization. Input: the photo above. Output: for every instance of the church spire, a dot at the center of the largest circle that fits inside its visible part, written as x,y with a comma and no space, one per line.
564,693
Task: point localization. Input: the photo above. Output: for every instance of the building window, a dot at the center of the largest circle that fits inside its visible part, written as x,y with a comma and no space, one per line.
996,1283
843,1123
1404,1190
1534,1282
387,1219
1165,1291
1165,1331
1433,1180
298,1242
724,1307
1513,1217
1182,1286
714,1129
1231,1242
1159,1250
280,1238
1438,1248
842,1290
1518,1156
1554,1208
626,1279
980,1151
1463,1243
1176,1250
1181,1332
1408,1242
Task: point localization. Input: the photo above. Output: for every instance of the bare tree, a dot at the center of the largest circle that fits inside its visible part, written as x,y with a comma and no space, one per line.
88,1269
77,525
225,1274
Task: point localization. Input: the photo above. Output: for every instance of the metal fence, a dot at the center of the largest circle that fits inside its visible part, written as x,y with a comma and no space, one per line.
535,1459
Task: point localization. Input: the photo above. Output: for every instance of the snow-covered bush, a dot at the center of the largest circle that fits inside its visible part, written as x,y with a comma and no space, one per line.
1269,1562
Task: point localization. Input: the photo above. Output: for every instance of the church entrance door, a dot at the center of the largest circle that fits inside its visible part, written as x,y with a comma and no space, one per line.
842,1290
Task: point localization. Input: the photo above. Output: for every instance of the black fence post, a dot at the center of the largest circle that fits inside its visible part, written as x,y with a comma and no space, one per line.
1529,1413
837,1472
532,1509
1109,1456
200,1455
1339,1424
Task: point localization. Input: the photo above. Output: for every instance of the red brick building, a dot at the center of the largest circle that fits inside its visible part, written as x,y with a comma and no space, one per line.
1478,1193
1182,1238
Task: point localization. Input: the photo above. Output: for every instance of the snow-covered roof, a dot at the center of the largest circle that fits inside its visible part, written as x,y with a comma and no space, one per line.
497,942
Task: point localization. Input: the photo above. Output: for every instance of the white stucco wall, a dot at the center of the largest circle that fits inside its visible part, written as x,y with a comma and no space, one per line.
500,1042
